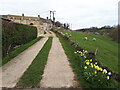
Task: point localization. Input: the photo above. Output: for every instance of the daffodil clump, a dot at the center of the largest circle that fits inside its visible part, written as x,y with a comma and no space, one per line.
93,73
82,53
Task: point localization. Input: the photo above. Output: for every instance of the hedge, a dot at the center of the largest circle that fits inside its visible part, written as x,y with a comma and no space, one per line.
15,34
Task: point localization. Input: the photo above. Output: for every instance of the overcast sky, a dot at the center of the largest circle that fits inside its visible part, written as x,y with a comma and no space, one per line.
79,13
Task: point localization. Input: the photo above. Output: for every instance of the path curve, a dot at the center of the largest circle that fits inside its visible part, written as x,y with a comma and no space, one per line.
14,69
57,72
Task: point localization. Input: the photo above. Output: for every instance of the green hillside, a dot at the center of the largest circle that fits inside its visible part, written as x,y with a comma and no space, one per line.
107,49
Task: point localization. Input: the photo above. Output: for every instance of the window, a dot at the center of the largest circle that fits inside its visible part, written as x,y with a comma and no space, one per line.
35,20
29,20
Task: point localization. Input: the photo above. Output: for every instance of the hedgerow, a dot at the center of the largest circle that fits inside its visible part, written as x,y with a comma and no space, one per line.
14,34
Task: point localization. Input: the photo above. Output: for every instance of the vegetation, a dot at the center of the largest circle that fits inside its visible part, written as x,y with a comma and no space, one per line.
14,34
77,65
18,50
107,49
44,32
33,75
114,33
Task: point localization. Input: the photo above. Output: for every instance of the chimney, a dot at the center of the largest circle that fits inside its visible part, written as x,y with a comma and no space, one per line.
23,14
47,18
39,16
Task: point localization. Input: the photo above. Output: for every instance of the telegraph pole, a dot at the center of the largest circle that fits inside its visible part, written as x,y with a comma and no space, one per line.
50,14
53,17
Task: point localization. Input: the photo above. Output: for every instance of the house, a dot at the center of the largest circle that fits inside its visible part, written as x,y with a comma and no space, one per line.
45,24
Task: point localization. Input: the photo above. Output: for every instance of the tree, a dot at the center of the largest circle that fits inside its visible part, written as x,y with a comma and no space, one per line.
58,24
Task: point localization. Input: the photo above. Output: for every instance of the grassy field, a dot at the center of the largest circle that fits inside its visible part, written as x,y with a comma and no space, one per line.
75,63
18,50
33,75
107,49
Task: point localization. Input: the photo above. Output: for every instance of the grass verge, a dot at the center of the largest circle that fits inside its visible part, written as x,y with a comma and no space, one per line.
75,63
33,75
18,50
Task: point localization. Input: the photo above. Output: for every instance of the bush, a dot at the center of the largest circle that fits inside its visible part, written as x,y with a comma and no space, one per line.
14,34
44,32
113,33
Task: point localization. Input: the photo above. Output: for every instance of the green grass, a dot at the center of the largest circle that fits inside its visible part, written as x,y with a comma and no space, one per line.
18,50
107,49
75,63
33,75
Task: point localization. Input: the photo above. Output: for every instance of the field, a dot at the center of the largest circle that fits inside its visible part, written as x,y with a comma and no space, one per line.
107,49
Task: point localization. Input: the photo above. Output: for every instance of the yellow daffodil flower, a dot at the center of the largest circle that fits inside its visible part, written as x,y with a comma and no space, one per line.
103,72
95,72
97,67
96,63
85,67
83,50
91,66
100,68
90,60
81,54
75,52
87,63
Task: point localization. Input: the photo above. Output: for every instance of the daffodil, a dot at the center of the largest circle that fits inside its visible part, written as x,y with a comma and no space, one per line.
85,67
91,66
75,52
81,54
90,60
109,73
103,72
95,72
100,69
87,63
108,77
97,67
83,50
84,56
96,63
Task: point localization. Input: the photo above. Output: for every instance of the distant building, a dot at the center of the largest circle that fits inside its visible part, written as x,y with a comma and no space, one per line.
44,24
